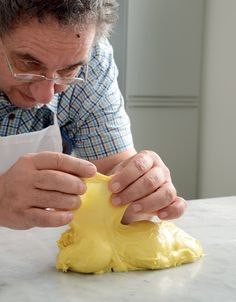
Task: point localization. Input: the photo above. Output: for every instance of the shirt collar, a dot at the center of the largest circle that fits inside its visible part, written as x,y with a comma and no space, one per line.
5,106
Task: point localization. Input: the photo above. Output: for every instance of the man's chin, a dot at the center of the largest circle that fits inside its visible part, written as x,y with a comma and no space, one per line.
22,100
27,100
24,105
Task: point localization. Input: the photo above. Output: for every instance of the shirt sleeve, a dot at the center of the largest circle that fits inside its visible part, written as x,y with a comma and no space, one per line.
102,127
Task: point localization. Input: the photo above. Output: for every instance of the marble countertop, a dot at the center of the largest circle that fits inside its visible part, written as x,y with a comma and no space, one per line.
28,273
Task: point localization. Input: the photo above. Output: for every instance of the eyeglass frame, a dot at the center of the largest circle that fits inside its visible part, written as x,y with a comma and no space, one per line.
40,77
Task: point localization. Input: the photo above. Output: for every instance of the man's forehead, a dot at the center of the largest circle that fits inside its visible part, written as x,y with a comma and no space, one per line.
48,45
53,34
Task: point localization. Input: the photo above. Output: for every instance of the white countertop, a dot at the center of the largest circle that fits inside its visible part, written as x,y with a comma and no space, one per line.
28,273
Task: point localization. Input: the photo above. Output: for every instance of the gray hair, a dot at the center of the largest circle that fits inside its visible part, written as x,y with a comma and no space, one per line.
102,13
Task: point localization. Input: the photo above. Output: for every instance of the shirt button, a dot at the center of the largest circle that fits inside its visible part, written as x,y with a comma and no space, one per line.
11,116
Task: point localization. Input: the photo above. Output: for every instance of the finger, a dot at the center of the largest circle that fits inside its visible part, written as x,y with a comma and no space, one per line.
136,167
144,186
43,218
62,162
174,210
55,200
156,201
58,181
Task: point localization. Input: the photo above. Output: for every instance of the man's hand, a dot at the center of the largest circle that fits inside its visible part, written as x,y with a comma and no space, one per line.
42,189
144,181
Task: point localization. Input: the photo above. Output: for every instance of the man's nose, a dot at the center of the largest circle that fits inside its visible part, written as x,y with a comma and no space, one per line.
59,88
42,91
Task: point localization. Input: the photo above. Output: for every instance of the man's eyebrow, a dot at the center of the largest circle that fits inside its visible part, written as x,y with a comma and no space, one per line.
74,65
29,57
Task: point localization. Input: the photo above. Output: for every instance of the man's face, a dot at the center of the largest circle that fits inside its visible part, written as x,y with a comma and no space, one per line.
45,49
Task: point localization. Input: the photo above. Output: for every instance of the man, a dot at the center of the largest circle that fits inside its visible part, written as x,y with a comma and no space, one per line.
58,80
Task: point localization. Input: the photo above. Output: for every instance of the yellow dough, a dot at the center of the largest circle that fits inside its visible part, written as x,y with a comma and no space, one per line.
97,242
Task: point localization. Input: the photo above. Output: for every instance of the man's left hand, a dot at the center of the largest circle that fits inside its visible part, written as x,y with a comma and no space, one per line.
144,181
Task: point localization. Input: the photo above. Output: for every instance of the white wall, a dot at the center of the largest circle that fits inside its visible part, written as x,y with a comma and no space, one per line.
118,41
217,168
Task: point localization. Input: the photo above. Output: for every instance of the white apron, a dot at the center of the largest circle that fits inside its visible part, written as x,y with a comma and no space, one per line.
14,146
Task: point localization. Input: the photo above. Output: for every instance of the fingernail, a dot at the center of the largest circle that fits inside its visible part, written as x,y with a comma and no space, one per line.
82,188
115,187
69,216
163,215
116,201
137,207
91,170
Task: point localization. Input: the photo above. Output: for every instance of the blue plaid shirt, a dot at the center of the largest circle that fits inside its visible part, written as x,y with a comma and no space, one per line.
91,117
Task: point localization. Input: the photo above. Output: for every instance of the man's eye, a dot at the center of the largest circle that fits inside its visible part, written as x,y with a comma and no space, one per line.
27,65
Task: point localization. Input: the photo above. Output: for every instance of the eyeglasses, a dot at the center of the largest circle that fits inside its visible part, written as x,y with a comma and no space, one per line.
30,77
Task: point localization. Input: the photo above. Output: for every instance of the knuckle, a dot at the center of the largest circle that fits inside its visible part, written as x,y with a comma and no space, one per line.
154,155
59,159
25,222
80,188
179,210
75,202
167,171
145,152
45,221
170,194
36,220
140,164
60,220
39,179
69,203
128,195
152,181
53,200
28,224
56,179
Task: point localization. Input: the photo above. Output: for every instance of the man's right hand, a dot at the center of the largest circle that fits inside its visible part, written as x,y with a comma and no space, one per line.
38,182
